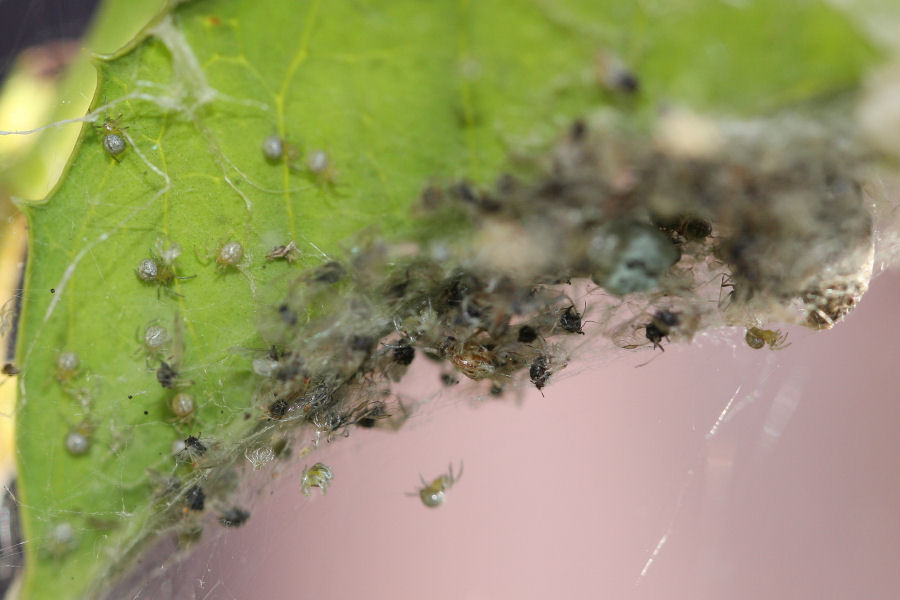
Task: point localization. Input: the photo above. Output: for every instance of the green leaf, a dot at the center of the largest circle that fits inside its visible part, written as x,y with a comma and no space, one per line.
397,94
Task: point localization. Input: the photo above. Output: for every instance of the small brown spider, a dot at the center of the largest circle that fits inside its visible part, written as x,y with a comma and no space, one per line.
288,252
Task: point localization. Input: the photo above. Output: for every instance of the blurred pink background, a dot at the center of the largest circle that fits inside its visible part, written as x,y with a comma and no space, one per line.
617,484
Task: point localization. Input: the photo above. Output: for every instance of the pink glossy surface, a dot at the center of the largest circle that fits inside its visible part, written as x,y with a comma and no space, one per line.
794,495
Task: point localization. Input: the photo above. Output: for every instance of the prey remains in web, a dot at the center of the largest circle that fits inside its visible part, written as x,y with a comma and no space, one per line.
654,242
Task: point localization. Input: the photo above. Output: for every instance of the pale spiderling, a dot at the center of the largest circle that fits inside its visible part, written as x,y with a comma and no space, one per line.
183,406
259,456
273,148
319,475
758,338
317,161
67,364
77,443
230,254
113,140
160,267
433,494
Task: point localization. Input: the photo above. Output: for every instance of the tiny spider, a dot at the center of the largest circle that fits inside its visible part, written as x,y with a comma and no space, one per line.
274,149
194,499
229,255
78,442
67,364
757,338
319,165
154,341
168,376
61,540
527,334
183,406
160,267
433,494
113,139
319,475
473,360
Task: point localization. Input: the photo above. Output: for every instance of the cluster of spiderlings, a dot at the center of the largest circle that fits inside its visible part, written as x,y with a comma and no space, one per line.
494,300
664,223
504,297
70,376
275,149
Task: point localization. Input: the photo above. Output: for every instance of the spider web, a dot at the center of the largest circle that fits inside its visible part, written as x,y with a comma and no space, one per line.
653,480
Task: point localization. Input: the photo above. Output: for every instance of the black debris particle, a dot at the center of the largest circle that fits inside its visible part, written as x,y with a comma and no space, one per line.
166,375
538,372
404,355
527,334
330,272
234,517
10,369
195,446
287,315
195,498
